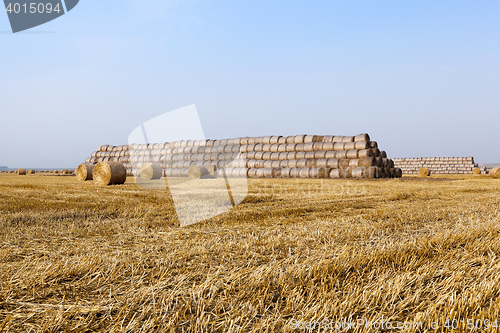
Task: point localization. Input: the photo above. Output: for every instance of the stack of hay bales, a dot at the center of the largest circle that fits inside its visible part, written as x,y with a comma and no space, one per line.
436,165
299,156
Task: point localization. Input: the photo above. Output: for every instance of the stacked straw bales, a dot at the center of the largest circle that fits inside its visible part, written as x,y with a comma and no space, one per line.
299,156
436,165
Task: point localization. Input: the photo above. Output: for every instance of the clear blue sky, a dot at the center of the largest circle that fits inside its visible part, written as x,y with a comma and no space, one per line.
421,77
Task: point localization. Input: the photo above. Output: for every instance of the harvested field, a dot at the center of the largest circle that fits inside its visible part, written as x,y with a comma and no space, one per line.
75,256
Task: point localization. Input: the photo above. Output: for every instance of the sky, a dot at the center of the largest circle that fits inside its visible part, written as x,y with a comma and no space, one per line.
421,77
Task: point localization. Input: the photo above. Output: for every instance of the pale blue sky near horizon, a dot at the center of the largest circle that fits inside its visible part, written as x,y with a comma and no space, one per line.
422,78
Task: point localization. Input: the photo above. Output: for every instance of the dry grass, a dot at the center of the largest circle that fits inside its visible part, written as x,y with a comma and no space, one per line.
76,257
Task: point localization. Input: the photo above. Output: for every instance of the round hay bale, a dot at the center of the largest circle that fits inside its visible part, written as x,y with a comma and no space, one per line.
495,173
276,164
322,162
334,173
275,139
197,172
300,155
21,172
31,172
328,138
424,172
299,139
340,154
252,173
310,138
275,148
266,140
281,140
282,148
302,163
290,139
399,173
350,146
304,173
268,172
362,137
330,154
284,163
300,147
354,163
328,146
367,161
268,164
359,172
267,156
383,154
290,147
284,173
266,147
344,163
109,173
338,146
348,139
375,152
311,163
310,155
345,172
352,153
373,144
319,154
84,171
361,145
317,146
372,172
294,172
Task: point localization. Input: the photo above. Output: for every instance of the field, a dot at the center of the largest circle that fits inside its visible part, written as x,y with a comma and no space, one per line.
75,257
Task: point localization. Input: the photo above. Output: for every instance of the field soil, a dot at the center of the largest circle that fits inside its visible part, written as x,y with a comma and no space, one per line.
76,257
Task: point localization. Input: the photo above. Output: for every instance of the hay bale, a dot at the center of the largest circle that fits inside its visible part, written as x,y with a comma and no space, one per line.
341,154
372,172
334,173
344,163
151,171
21,172
84,171
299,139
31,172
352,153
367,161
359,172
495,173
345,172
338,146
360,145
201,172
109,173
399,173
348,139
362,137
424,172
350,146
373,144
476,171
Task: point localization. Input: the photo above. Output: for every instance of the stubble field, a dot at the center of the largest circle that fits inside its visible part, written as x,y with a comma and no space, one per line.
75,257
